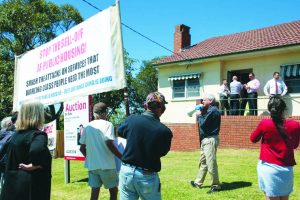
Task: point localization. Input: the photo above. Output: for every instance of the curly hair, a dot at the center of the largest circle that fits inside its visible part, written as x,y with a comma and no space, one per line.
276,107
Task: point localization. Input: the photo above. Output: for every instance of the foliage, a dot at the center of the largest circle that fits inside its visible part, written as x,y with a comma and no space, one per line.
6,89
118,116
114,99
25,25
237,169
138,88
144,83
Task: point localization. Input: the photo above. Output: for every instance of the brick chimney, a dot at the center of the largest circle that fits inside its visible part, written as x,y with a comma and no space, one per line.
182,38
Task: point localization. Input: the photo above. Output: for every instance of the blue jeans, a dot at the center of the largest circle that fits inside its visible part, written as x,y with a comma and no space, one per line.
135,183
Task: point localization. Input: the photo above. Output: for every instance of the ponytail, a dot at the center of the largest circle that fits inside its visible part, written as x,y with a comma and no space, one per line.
276,107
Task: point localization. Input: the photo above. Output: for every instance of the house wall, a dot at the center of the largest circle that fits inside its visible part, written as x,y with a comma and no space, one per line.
176,110
263,68
233,134
213,72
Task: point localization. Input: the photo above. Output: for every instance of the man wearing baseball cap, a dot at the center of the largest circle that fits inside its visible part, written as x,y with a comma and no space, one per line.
98,148
147,141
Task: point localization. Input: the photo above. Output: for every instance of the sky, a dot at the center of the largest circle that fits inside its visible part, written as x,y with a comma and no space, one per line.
157,19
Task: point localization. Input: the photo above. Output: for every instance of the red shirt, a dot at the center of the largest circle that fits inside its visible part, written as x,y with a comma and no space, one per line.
274,149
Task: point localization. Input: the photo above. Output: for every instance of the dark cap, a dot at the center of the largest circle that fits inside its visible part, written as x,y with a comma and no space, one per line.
100,108
155,97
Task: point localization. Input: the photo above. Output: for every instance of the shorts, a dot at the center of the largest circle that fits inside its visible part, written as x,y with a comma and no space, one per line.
107,177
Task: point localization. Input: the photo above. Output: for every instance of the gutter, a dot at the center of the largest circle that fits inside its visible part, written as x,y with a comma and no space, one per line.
196,60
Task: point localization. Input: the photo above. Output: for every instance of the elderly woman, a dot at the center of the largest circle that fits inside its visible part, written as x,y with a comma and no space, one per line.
279,138
5,123
28,169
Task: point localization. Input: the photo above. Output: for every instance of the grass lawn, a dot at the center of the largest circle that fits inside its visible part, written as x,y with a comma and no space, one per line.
237,169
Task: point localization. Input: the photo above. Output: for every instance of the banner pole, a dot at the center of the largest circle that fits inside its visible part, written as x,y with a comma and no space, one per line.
126,101
67,171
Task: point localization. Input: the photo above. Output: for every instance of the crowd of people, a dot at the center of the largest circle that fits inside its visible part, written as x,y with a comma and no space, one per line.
28,166
234,98
279,137
147,141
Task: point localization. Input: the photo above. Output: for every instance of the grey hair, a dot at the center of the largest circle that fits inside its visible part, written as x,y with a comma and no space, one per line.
210,97
234,78
96,116
5,121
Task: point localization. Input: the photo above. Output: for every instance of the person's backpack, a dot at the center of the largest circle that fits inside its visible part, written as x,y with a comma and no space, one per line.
5,138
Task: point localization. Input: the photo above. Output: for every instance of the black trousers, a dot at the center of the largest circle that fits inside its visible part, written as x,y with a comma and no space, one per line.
234,104
243,105
252,100
224,105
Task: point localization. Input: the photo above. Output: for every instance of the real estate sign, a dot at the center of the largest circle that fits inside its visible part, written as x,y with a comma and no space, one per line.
85,60
77,114
50,129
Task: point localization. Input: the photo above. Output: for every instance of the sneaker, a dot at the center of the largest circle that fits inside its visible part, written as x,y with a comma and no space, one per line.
214,188
195,185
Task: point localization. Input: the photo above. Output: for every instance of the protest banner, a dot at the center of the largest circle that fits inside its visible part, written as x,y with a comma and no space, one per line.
85,60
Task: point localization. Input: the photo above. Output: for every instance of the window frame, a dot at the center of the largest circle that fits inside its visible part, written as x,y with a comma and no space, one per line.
186,89
290,80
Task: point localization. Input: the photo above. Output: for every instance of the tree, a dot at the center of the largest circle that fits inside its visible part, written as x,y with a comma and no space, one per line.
25,25
114,99
144,83
138,88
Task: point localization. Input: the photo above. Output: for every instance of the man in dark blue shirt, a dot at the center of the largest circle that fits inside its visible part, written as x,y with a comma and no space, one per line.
147,141
209,121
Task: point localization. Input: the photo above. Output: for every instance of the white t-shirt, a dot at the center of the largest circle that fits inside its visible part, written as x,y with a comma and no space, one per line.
98,155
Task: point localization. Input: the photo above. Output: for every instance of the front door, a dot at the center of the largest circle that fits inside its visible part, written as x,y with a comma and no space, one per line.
243,77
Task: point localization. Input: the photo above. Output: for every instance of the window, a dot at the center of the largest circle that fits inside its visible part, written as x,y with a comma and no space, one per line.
291,76
185,86
179,88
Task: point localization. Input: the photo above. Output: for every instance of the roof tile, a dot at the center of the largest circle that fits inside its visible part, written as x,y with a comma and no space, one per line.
273,36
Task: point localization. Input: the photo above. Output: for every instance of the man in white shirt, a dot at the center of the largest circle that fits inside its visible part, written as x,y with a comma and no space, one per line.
224,94
235,91
275,86
252,88
99,150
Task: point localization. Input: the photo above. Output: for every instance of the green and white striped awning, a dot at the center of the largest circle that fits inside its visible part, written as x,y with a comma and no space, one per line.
290,70
184,76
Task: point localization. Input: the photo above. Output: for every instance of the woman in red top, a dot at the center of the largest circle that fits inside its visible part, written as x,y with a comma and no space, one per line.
279,138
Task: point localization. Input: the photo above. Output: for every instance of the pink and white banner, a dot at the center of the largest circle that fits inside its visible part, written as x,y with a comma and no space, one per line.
87,59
